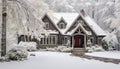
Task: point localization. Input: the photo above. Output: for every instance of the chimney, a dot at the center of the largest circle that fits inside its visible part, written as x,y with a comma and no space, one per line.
83,12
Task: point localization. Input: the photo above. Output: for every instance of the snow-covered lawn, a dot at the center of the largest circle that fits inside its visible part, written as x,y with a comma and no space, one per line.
57,60
106,54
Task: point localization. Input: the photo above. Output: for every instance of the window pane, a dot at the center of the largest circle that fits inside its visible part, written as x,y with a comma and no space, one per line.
47,40
53,39
44,41
41,41
50,40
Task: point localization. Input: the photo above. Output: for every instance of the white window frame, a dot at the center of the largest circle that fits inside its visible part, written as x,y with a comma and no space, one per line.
62,24
64,42
49,40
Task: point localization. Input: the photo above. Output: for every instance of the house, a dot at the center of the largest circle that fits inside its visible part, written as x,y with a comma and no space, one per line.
75,28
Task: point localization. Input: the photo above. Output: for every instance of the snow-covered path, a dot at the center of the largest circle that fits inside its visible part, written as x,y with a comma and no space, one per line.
106,54
56,60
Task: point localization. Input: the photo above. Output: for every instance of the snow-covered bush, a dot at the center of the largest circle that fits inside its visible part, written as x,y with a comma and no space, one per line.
98,48
2,59
51,49
60,49
64,49
110,41
89,43
89,49
95,48
30,46
17,53
5,58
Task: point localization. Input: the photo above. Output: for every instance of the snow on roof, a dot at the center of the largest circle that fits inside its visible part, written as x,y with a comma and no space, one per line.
97,30
53,32
71,17
68,17
79,25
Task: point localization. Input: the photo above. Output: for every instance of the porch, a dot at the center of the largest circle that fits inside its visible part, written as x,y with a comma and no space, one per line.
78,51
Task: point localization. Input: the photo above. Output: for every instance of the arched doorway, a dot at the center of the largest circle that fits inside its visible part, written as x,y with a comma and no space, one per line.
79,41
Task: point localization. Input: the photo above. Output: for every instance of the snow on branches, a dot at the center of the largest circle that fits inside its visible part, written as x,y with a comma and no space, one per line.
24,18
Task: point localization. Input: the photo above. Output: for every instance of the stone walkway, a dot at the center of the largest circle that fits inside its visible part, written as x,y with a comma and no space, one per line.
115,61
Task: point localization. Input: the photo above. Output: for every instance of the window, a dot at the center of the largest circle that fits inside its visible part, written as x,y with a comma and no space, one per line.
64,40
81,22
50,40
62,26
92,40
54,42
46,25
41,41
99,41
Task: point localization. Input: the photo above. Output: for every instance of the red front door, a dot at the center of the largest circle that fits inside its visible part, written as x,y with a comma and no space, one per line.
77,41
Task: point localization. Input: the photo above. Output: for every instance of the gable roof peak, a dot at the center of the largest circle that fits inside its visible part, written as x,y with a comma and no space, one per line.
62,19
83,13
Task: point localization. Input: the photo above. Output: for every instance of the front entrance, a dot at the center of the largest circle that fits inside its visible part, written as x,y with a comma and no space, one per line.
78,41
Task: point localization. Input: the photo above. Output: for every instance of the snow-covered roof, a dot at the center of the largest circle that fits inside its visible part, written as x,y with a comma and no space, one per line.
94,26
70,18
79,25
53,32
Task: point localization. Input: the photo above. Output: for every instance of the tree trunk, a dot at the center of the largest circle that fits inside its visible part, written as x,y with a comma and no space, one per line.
3,40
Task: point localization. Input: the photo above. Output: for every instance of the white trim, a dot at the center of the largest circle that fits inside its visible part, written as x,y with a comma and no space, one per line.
82,28
50,40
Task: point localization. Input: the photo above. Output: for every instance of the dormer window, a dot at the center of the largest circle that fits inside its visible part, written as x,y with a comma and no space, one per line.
62,26
62,23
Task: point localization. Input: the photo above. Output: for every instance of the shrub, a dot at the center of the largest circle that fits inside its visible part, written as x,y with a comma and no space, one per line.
51,49
30,46
60,49
64,49
2,59
17,53
95,48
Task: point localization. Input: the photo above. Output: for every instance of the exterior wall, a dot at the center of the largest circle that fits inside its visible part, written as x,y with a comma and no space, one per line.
59,39
47,20
99,40
26,38
63,39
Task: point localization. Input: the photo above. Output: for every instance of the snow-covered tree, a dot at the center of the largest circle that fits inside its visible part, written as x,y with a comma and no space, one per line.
101,10
24,18
115,24
111,40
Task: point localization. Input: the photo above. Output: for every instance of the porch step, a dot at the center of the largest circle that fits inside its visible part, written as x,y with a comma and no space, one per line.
78,51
